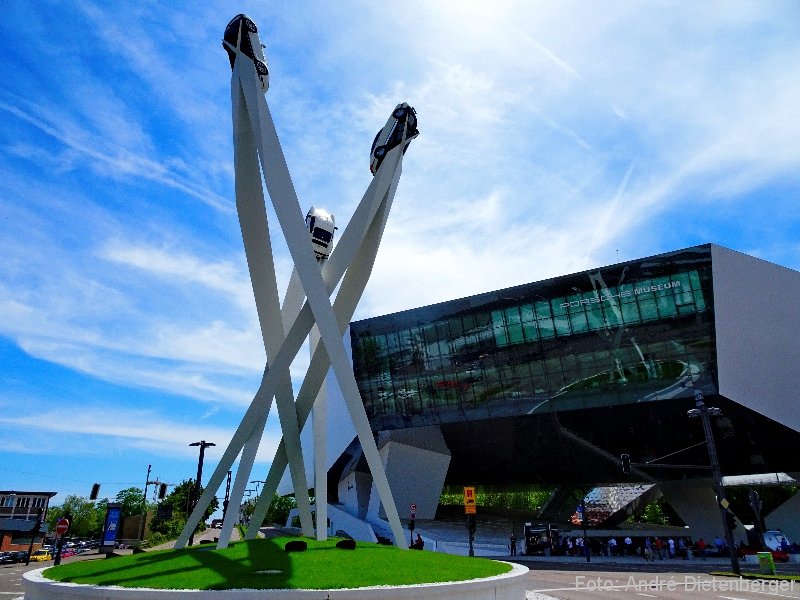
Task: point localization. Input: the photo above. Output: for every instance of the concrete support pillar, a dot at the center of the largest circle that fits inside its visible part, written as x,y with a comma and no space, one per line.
416,462
786,518
696,503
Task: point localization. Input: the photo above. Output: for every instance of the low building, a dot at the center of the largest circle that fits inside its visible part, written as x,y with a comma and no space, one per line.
23,515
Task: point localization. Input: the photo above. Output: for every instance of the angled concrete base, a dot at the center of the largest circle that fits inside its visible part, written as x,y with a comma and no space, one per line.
696,503
510,586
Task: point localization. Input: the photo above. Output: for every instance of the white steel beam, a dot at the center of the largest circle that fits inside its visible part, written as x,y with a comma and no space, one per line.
255,138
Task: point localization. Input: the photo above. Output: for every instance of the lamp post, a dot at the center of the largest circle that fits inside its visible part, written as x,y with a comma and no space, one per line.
196,494
227,497
705,413
258,483
248,505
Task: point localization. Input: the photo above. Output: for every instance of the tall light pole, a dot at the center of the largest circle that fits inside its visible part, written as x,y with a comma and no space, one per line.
227,497
258,483
196,495
705,413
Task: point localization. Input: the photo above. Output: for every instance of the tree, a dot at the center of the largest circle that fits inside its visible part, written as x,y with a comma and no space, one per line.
179,500
279,508
132,500
84,521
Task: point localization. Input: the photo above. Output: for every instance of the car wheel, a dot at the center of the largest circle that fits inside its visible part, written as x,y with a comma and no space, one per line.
399,113
380,152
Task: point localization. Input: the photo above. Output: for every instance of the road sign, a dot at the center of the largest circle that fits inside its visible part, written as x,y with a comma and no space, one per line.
469,501
62,526
413,511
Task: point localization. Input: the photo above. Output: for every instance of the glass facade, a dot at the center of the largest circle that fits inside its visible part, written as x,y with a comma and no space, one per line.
635,332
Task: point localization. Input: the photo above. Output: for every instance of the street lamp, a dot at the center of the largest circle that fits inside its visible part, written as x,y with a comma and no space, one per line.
258,483
196,495
227,497
705,413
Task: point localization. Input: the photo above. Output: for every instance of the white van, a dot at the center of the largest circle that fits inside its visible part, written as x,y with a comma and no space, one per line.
774,539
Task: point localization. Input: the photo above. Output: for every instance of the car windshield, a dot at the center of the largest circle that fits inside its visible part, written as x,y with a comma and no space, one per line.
322,235
232,37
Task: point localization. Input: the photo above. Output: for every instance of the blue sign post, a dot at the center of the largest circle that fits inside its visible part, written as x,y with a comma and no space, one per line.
111,527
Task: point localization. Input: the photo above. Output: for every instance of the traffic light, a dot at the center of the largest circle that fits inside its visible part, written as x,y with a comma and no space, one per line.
162,491
411,526
95,492
625,459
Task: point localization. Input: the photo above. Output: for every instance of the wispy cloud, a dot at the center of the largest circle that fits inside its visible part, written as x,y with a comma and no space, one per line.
109,159
143,430
553,135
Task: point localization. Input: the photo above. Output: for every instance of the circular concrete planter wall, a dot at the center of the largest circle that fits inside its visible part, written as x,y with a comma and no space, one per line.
509,586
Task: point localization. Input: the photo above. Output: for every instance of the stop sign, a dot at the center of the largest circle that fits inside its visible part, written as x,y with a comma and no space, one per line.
62,526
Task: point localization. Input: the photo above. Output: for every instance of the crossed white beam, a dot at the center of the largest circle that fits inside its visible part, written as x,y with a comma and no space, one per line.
351,262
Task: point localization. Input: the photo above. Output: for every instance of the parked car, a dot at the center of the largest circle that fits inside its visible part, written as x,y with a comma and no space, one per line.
67,552
242,33
403,120
13,556
41,555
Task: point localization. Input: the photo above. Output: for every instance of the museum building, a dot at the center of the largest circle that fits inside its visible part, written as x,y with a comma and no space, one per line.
551,382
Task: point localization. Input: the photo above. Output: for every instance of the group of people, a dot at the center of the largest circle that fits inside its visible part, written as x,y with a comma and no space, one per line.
650,547
663,549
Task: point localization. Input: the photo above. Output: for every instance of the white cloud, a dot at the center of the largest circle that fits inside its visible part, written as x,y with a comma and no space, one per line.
110,159
128,430
552,136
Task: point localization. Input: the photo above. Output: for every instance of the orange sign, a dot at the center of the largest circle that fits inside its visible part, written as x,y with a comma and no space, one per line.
469,501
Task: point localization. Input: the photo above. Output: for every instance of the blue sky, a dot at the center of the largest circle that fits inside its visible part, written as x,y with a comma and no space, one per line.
555,137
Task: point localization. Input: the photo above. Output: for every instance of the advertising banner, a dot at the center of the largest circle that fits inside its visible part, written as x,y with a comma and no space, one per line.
112,524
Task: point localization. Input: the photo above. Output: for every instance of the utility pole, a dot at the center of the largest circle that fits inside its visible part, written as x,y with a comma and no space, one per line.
584,520
196,494
705,413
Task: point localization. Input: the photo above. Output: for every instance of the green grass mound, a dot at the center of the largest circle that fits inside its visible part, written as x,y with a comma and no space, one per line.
263,564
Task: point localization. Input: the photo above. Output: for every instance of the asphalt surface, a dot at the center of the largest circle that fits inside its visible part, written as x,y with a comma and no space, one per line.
12,586
667,585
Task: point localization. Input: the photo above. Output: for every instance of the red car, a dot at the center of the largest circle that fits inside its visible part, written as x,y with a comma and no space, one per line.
777,555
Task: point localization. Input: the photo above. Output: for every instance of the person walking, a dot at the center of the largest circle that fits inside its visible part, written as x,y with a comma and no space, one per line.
701,545
657,544
512,544
648,549
628,546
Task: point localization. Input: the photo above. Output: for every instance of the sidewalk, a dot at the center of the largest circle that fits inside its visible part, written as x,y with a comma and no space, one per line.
637,563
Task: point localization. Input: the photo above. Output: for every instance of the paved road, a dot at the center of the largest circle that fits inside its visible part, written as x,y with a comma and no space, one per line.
571,585
574,579
12,586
